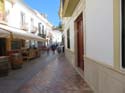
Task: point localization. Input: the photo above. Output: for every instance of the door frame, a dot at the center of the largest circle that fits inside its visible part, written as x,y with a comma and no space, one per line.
79,17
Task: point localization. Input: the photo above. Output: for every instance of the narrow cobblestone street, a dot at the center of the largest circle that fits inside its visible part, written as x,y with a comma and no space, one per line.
47,74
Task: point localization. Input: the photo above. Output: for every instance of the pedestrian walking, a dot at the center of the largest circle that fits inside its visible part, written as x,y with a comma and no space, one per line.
53,47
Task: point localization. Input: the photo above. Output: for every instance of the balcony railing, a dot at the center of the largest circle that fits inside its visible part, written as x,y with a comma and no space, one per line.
42,35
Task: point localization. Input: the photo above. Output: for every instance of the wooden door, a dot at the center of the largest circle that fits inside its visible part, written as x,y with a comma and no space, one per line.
80,42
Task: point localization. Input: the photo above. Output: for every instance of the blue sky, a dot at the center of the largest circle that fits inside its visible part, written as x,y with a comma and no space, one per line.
49,7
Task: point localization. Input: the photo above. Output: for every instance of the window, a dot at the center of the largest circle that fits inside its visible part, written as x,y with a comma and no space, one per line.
39,27
16,44
32,22
42,29
68,38
123,33
22,18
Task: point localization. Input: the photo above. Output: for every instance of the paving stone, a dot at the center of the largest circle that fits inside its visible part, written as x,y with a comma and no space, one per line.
48,74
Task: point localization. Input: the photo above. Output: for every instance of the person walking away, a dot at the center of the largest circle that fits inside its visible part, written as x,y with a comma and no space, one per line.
53,47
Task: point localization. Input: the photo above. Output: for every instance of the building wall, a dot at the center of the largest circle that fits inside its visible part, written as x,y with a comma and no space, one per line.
102,69
57,36
99,30
70,25
102,45
13,15
13,18
102,78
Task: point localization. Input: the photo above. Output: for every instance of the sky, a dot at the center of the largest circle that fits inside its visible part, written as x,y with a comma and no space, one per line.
49,7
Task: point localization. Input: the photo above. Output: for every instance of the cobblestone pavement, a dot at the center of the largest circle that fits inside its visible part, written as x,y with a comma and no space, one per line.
48,74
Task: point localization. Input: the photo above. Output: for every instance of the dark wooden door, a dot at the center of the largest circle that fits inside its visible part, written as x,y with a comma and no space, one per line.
80,42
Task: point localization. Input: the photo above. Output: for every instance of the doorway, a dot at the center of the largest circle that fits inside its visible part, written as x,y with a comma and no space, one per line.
2,46
80,41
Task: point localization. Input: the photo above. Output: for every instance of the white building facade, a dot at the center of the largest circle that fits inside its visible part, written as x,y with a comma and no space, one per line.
17,15
56,36
94,27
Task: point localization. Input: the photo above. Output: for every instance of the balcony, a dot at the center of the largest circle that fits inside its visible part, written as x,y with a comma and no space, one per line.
25,27
42,35
67,7
33,29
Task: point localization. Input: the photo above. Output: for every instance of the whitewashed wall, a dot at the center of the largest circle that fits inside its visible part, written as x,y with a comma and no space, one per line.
72,35
57,36
69,25
99,30
14,16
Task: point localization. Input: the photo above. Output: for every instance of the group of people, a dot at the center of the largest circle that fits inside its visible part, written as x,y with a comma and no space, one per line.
54,47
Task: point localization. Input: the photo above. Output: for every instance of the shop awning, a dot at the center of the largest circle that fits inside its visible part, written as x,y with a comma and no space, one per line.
4,33
20,34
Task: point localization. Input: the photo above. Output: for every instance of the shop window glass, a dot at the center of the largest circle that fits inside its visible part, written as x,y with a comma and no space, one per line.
16,45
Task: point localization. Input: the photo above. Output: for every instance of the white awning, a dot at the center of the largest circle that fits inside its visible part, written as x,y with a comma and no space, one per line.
4,33
20,34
